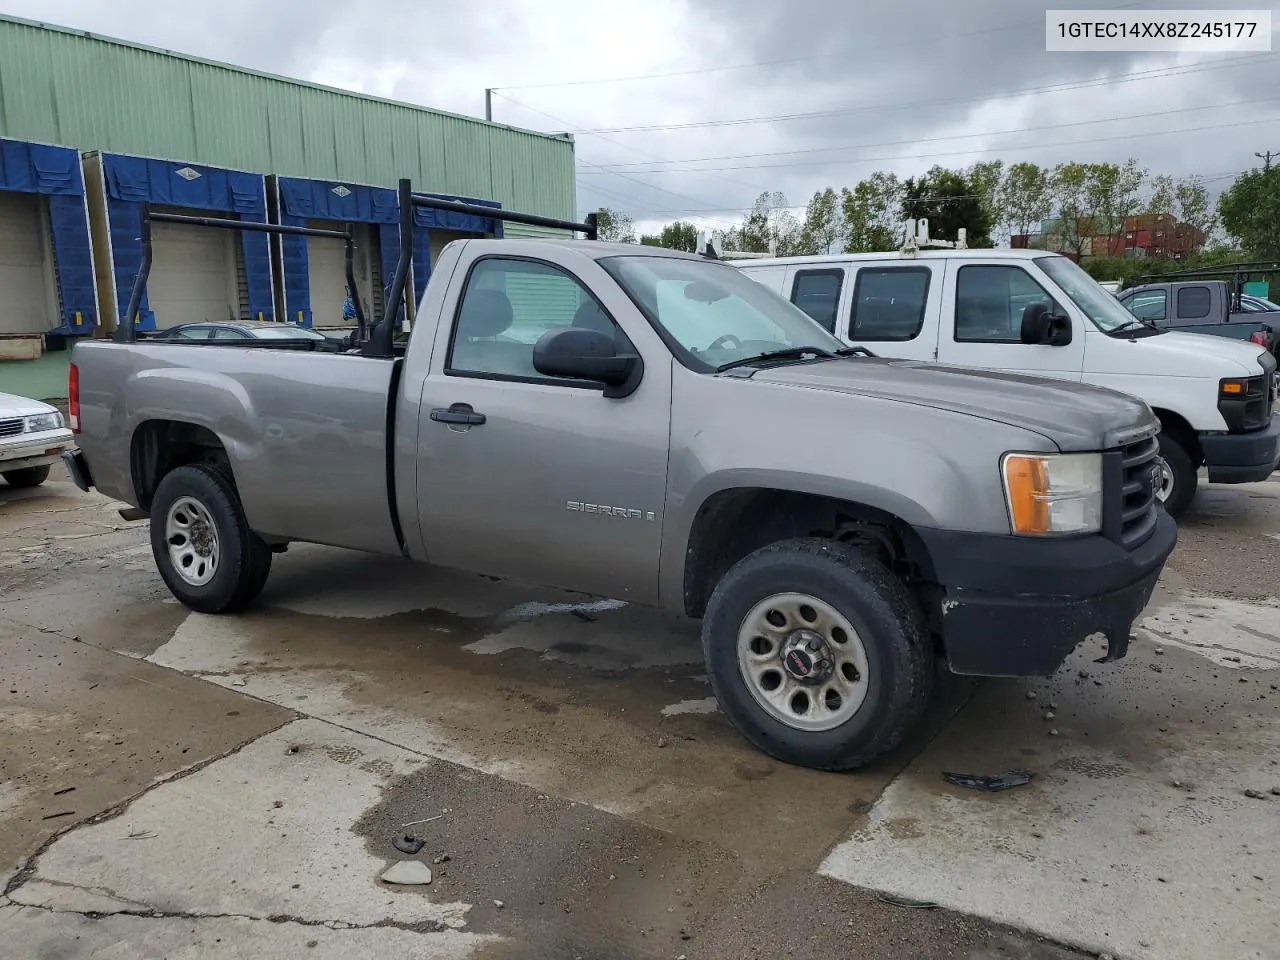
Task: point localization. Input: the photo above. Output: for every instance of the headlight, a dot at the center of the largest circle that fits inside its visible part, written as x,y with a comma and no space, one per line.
44,421
1053,493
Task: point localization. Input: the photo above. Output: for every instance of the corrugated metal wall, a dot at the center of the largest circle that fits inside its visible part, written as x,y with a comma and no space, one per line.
57,86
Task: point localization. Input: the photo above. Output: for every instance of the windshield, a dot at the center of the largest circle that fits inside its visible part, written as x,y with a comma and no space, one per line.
1107,313
286,331
715,312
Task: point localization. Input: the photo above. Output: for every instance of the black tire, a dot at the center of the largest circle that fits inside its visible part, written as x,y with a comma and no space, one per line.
1183,468
877,605
27,476
244,559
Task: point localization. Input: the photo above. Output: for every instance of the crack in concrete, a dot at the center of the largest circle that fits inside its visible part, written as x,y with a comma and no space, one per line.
148,913
28,870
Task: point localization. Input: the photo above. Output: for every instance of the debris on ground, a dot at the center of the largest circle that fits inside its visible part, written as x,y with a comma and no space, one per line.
1050,715
58,816
499,904
408,843
58,793
1053,732
238,682
1255,795
1031,695
415,823
907,902
989,783
443,858
407,873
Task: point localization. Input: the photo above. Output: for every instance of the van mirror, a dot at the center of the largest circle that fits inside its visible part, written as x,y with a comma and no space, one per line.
1041,326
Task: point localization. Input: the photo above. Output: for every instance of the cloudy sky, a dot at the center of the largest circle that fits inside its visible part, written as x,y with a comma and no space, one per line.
694,107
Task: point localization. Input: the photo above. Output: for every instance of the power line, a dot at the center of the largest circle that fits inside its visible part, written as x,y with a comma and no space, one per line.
808,58
969,151
954,136
1065,86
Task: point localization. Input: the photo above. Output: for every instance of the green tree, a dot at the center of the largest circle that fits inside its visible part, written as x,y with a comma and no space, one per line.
680,235
824,229
987,179
1111,194
1163,195
614,226
1067,184
767,220
950,201
1193,206
1250,212
1026,197
871,214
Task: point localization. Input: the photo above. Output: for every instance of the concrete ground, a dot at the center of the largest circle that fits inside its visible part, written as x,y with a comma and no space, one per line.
176,784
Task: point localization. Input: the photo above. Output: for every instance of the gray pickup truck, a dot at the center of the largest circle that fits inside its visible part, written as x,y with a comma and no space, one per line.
1200,306
649,425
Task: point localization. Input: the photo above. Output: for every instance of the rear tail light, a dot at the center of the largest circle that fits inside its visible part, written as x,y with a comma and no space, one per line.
1259,338
73,397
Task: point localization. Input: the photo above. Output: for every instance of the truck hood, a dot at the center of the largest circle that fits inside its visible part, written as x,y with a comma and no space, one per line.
1174,355
1074,416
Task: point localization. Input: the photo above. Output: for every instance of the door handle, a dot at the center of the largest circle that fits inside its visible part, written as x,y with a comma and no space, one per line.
457,413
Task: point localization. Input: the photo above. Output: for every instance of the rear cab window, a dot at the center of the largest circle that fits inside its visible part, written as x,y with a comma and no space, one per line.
1194,303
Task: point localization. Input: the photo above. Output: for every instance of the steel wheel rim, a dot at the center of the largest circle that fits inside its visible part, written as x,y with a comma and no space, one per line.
192,539
770,636
1166,480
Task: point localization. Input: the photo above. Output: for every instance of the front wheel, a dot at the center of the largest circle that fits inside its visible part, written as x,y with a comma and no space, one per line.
817,654
27,476
1178,477
201,541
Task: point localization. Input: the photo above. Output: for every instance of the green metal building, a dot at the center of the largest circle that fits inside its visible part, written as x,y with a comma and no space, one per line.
103,97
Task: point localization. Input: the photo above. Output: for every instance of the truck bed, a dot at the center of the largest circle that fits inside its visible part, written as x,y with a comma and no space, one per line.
305,432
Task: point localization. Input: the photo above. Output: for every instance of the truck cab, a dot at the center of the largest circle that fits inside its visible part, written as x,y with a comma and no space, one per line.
1034,312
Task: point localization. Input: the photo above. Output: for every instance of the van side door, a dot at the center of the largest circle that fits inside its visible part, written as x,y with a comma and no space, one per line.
982,320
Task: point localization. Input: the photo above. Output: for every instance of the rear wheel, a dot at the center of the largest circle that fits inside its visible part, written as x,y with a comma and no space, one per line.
27,476
203,547
1178,477
817,654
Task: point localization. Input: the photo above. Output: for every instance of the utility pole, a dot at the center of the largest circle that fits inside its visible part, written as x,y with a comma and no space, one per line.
1266,159
488,105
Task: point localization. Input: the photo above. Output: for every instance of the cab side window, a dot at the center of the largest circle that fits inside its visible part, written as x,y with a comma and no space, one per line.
889,303
990,301
506,307
817,293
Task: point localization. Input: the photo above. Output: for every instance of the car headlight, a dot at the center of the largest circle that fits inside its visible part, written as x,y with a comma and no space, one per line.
1053,493
44,421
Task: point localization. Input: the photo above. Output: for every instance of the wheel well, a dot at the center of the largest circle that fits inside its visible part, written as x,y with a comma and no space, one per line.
734,523
1178,427
160,446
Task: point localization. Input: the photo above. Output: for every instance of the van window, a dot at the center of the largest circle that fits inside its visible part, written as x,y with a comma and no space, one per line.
817,293
1193,303
990,300
888,303
1149,305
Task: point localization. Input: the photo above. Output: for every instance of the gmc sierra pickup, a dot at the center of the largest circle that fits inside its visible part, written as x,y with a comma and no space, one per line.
653,426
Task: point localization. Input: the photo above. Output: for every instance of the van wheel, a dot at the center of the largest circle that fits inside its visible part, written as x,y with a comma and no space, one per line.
27,476
817,654
1179,479
203,547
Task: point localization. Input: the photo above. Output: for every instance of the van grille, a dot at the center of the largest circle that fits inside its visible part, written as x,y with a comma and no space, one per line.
11,428
1131,499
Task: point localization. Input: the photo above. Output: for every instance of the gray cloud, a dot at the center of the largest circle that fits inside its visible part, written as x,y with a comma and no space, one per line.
913,72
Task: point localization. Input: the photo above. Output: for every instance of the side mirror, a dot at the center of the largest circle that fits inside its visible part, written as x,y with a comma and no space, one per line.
1043,328
579,353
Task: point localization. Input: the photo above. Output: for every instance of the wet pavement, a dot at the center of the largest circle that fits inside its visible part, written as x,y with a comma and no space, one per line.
236,781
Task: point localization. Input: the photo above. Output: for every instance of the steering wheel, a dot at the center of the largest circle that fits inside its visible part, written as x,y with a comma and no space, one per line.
723,339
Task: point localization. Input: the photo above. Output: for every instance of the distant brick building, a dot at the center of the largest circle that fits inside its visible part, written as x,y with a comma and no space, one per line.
1148,235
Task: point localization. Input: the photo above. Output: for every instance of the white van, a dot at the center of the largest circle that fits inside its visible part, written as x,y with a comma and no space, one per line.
1033,312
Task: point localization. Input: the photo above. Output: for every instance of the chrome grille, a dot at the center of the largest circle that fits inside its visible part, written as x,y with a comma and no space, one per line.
11,428
1137,490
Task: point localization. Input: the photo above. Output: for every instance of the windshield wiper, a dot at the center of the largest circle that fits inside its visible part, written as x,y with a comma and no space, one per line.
790,353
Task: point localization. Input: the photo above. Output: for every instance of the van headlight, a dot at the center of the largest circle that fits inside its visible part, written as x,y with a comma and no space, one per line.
1053,493
42,422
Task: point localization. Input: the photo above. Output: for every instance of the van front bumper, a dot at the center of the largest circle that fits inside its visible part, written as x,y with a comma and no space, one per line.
1018,606
1242,457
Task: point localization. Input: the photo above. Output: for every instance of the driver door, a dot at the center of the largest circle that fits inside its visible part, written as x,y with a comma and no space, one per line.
981,323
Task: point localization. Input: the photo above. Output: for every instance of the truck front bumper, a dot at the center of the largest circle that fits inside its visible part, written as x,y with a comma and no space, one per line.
1018,607
1242,457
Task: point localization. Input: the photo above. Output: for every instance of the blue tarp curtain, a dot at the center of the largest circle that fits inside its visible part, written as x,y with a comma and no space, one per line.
133,181
55,172
302,200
